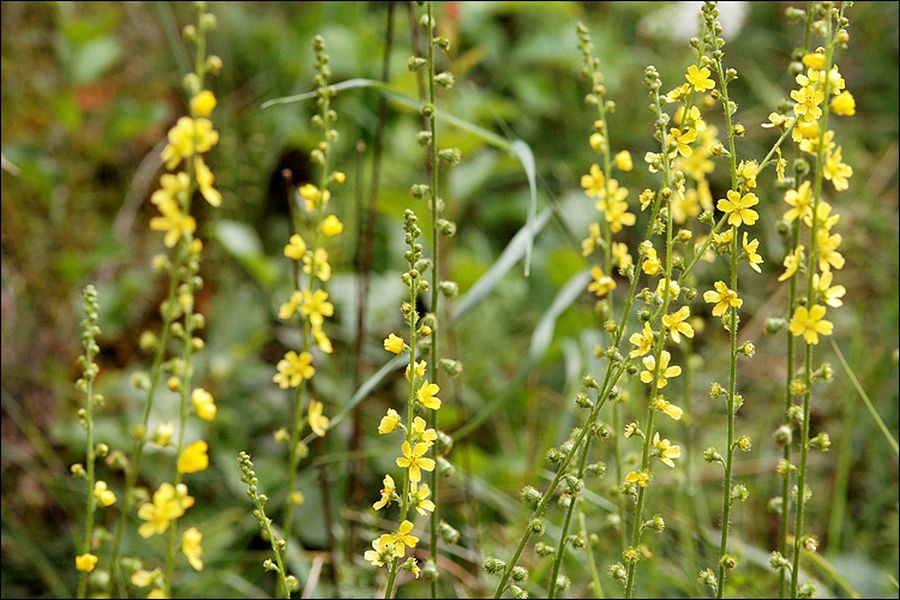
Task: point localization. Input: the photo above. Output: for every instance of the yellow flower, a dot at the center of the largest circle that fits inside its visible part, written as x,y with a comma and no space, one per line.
750,251
173,189
681,140
844,104
791,263
393,343
590,242
187,138
828,255
204,404
618,216
415,460
665,371
142,578
320,258
402,538
205,181
673,411
815,60
651,264
805,130
810,323
104,495
699,78
808,99
832,294
163,434
667,452
296,248
677,324
777,120
387,493
642,341
86,562
620,255
610,195
331,226
381,551
418,499
194,458
169,502
293,369
601,284
312,196
674,288
191,547
316,306
597,141
203,103
679,92
420,433
780,165
157,593
623,161
289,308
426,395
641,478
175,223
723,298
389,422
737,207
748,170
318,422
646,198
593,183
837,172
800,201
419,368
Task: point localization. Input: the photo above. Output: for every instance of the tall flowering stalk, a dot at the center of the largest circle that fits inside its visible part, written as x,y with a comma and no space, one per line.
309,300
187,173
389,549
98,491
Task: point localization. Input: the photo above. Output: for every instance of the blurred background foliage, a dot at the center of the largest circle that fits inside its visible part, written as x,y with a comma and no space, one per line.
88,92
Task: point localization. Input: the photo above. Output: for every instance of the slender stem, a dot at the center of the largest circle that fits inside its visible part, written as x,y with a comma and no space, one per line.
592,564
89,465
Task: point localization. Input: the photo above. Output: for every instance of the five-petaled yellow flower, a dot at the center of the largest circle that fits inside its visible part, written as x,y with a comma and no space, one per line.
677,324
593,183
800,201
831,294
750,251
601,283
318,422
699,78
642,340
426,395
791,263
415,460
387,493
194,458
667,452
389,422
402,538
393,343
665,371
191,547
293,369
737,207
723,298
86,562
641,478
296,247
810,323
418,498
673,411
316,307
169,502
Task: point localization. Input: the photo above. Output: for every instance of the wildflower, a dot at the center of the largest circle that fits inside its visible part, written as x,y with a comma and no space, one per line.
426,395
815,60
393,343
699,78
610,195
590,242
679,92
296,247
748,170
142,578
194,458
320,259
646,198
677,325
293,369
724,238
318,422
808,99
618,216
419,369
203,103
810,323
381,551
402,538
316,307
837,172
723,298
674,288
630,429
844,104
651,264
415,460
418,498
86,562
169,502
387,493
289,308
601,284
163,434
420,433
173,189
331,226
204,404
777,120
641,478
187,138
593,182
832,294
780,165
673,411
389,422
175,223
667,452
597,141
623,161
828,255
191,547
643,341
750,251
791,263
737,207
312,195
205,181
800,201
620,255
681,140
665,371
104,495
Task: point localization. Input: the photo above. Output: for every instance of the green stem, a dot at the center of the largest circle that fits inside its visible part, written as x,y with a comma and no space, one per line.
592,564
89,465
